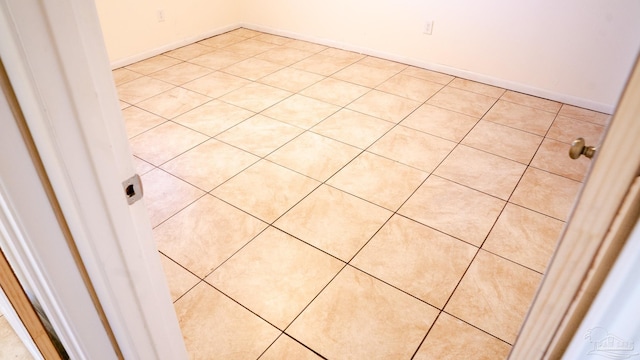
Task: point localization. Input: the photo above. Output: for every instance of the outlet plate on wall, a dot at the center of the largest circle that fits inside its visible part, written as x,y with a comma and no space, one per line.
160,15
428,27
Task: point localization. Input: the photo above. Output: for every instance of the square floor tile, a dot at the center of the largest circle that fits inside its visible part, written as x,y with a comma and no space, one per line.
566,129
213,117
494,295
274,190
440,122
491,174
164,142
301,111
334,91
428,75
260,135
462,101
520,117
181,73
216,84
322,64
356,308
584,115
382,181
189,52
244,32
504,141
353,128
276,276
314,155
364,75
413,148
477,87
453,209
11,347
205,234
137,121
285,348
384,106
215,327
284,55
209,164
417,259
342,54
306,46
122,75
134,91
531,101
525,237
334,221
252,68
153,64
179,280
553,156
142,167
547,193
217,60
273,39
453,339
255,97
410,87
250,47
165,195
382,64
222,40
291,79
174,102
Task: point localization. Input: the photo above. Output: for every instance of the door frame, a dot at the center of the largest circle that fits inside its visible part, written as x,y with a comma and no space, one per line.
56,61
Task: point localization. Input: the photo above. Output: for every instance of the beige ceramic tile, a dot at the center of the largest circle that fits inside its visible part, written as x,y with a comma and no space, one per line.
413,148
252,68
453,339
215,327
250,47
165,195
306,46
382,64
322,64
334,221
122,75
179,280
255,97
525,237
209,164
453,209
189,52
206,234
245,33
547,193
567,129
520,117
260,135
532,101
213,117
364,75
275,190
314,155
174,102
222,40
494,295
440,122
301,111
276,276
462,101
477,87
428,75
217,60
284,55
353,128
356,308
11,347
142,88
410,87
584,115
153,64
335,91
553,156
216,84
291,79
123,105
503,141
137,121
142,167
384,106
273,39
181,73
342,54
382,181
491,174
285,348
417,259
165,142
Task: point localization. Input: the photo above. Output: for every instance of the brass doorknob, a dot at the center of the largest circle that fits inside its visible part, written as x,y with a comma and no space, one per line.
578,148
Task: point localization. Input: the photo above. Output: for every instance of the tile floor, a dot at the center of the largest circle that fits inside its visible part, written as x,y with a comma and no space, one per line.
310,202
11,346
